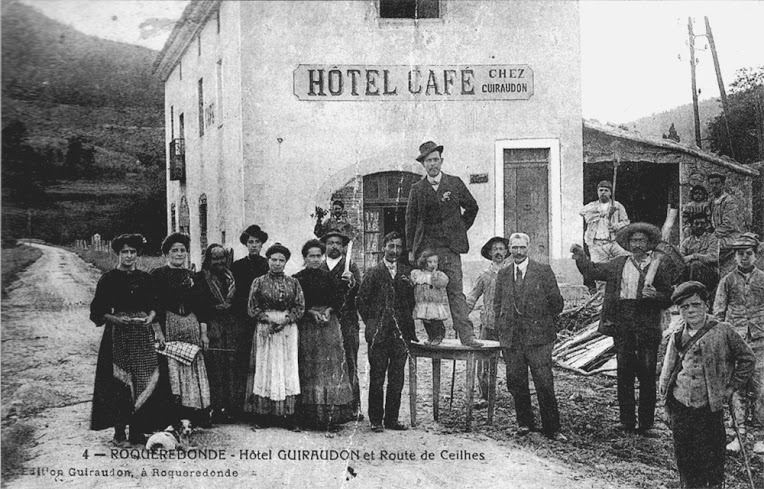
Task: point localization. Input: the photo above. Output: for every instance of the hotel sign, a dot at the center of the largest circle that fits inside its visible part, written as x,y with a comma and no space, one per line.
412,83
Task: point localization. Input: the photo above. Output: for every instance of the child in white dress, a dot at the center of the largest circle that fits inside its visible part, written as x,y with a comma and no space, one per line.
430,294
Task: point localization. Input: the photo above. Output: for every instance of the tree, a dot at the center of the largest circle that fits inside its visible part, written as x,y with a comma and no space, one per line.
744,101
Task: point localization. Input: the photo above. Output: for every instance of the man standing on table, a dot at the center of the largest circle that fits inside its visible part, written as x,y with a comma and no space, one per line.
495,250
336,263
631,314
386,305
434,220
526,306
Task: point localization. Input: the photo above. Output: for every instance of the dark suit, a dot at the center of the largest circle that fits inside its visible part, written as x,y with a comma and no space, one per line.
386,306
348,317
636,330
526,321
434,220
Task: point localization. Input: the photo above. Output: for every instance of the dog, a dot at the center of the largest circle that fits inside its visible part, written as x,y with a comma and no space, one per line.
174,437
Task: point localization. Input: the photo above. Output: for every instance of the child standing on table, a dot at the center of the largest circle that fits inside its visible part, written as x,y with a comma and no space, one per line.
430,295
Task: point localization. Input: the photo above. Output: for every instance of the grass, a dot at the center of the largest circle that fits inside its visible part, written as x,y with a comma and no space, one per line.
105,261
15,260
18,438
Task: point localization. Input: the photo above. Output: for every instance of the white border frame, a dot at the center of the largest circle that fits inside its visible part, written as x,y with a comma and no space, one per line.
554,186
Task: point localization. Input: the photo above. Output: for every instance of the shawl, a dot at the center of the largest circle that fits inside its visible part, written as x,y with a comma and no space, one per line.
221,301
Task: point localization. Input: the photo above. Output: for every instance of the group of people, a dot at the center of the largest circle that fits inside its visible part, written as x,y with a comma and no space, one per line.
226,343
249,340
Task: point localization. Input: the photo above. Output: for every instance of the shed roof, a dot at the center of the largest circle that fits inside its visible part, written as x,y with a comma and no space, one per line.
668,144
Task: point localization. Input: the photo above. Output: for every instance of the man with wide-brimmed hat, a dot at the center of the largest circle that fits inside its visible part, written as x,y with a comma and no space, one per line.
496,250
638,288
740,302
347,273
434,220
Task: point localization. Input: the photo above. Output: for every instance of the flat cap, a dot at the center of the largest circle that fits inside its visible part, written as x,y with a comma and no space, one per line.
688,289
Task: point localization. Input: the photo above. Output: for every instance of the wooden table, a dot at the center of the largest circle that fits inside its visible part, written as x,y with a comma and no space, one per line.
452,349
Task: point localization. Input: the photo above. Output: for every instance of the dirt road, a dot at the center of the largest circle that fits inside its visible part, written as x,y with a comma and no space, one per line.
49,350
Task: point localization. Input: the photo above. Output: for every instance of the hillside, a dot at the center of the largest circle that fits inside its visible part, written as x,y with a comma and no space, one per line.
656,125
48,61
83,136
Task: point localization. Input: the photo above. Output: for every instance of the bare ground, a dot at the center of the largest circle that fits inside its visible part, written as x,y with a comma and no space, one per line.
49,352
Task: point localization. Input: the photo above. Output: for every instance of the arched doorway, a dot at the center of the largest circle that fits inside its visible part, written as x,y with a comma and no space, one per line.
385,196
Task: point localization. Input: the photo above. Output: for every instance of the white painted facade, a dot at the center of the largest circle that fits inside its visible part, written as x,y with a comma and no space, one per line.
269,158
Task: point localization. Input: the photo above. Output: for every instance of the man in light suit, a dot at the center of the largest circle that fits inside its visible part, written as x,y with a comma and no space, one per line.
434,220
526,306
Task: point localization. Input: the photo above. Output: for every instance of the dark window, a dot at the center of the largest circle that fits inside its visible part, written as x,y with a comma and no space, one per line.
180,70
184,217
409,9
199,45
217,18
203,222
172,122
201,107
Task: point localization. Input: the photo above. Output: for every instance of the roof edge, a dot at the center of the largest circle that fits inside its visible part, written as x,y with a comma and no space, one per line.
189,25
668,144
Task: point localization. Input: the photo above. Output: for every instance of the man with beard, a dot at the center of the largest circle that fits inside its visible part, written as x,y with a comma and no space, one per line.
337,263
337,221
701,254
496,250
724,219
638,288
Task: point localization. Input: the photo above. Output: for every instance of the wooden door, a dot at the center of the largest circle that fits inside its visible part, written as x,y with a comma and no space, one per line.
526,198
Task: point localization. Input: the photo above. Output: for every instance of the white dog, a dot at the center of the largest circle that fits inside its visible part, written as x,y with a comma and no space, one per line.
174,437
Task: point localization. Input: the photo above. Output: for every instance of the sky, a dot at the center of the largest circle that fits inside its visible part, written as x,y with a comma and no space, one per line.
634,54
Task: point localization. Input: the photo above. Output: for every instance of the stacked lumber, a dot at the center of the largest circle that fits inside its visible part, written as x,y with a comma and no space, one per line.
582,348
587,352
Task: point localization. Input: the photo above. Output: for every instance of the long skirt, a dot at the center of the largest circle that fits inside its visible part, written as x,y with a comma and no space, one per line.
189,383
127,381
327,390
273,383
227,377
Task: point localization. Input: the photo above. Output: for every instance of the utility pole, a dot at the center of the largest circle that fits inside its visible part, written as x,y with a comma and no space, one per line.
694,84
722,91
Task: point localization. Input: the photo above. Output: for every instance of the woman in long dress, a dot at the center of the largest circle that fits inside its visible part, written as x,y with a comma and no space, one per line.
185,333
326,387
127,383
276,303
225,331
